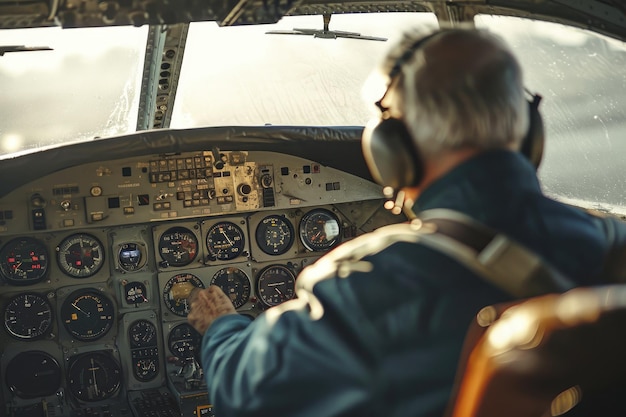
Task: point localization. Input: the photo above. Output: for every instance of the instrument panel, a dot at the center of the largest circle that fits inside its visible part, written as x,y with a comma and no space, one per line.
97,262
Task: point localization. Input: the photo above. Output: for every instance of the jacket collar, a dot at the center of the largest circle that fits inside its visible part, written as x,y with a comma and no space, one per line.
486,177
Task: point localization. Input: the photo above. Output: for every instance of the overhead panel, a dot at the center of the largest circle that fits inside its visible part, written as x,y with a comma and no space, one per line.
604,16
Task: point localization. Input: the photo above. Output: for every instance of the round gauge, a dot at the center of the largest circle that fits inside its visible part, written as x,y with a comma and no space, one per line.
24,261
235,284
94,376
87,314
142,333
184,341
33,374
144,353
80,255
319,230
28,316
177,290
274,235
276,284
178,246
131,257
146,369
225,241
135,293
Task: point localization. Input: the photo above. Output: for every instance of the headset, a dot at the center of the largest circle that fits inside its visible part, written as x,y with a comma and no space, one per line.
392,156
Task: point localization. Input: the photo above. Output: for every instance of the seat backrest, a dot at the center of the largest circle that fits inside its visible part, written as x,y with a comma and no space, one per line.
546,356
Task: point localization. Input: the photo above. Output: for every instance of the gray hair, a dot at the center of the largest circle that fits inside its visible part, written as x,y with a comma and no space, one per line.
460,88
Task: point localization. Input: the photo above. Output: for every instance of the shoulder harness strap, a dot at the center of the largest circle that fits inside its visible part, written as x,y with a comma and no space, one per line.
503,262
491,255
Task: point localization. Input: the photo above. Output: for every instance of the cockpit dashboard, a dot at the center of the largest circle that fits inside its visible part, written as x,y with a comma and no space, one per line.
97,260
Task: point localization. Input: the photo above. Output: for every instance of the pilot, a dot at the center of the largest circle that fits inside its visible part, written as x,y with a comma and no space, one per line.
378,323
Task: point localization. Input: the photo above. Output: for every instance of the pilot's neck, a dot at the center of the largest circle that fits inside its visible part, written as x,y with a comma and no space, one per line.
435,168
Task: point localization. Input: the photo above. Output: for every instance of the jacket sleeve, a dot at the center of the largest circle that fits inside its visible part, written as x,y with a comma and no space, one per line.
282,364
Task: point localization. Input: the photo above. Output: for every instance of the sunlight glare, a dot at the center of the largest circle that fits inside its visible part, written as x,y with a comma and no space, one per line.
374,88
11,142
516,328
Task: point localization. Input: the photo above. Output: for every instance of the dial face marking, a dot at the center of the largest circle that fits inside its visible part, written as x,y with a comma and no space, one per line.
131,257
135,293
275,285
33,374
274,235
319,230
178,246
184,341
28,316
87,314
225,241
94,376
146,369
144,351
24,261
142,333
235,284
177,290
80,255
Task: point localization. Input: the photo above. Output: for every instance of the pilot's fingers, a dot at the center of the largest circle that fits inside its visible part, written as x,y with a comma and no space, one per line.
221,303
206,306
193,294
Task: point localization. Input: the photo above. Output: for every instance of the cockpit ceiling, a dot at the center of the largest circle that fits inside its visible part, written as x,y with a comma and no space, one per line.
603,16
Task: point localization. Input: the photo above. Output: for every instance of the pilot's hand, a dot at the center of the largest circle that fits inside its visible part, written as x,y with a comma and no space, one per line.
206,305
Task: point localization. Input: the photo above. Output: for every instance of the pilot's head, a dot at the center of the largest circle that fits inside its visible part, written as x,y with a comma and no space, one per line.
450,94
457,88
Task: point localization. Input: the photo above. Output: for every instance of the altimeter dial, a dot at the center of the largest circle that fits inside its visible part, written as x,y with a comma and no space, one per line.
24,261
87,314
320,230
178,246
80,255
28,316
274,235
235,284
225,241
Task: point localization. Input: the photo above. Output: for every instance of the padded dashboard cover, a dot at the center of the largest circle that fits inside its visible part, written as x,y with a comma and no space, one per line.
326,145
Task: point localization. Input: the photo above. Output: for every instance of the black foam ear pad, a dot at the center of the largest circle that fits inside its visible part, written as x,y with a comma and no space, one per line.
533,142
390,154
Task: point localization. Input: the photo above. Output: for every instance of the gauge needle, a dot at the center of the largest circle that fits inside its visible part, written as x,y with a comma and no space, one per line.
226,236
79,309
93,373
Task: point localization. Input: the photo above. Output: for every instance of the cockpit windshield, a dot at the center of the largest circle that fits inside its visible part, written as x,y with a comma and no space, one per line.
230,76
88,86
245,76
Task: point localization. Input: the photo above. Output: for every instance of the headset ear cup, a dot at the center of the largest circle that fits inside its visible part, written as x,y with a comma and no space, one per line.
390,154
532,145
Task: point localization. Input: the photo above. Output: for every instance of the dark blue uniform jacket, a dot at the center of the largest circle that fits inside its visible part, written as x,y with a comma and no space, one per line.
379,333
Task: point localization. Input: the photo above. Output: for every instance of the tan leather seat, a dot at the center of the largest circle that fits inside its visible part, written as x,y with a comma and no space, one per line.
545,356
